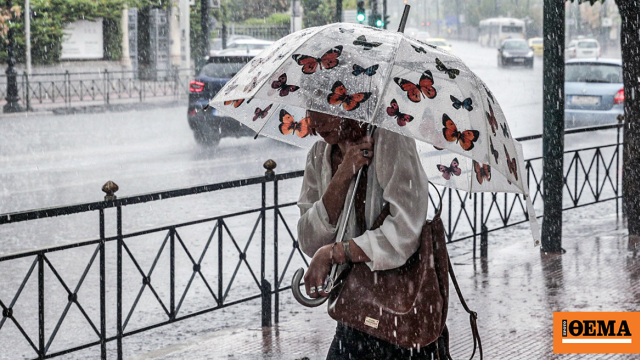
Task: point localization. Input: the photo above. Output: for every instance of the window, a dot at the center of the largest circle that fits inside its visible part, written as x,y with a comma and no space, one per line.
596,73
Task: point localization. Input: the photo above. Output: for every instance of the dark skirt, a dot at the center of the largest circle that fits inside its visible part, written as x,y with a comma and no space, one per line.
352,344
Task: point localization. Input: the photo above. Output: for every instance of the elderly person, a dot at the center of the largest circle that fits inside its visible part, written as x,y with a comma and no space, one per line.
394,176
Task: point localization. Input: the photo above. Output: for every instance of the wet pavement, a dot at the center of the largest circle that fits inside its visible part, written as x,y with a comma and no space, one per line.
515,292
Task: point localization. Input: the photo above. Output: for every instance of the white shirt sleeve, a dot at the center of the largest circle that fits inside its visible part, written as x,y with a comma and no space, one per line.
406,188
314,229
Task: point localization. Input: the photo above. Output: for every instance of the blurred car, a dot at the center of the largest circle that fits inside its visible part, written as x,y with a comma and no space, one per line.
208,125
582,48
249,45
594,92
537,44
439,42
216,46
515,52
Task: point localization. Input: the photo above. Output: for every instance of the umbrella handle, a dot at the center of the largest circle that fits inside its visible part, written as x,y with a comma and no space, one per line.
297,294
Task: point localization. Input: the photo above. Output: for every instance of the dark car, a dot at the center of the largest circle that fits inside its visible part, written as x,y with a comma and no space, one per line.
594,92
207,125
515,52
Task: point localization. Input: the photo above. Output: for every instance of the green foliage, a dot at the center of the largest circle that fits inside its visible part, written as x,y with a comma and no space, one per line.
318,12
241,10
50,17
273,19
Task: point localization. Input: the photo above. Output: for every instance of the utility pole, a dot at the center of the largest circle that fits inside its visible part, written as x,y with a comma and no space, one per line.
553,125
206,33
338,11
12,98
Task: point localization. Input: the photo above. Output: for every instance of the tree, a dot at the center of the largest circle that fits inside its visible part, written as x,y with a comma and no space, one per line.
629,39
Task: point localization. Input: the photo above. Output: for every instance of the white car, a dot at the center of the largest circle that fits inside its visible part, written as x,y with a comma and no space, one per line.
582,48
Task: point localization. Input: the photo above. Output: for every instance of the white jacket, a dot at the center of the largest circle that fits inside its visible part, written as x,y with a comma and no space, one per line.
395,176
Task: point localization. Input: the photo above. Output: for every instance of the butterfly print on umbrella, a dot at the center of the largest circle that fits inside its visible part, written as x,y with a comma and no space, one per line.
511,164
367,45
488,94
401,118
261,114
457,104
349,102
288,125
452,169
370,71
254,82
235,103
449,71
350,31
483,171
491,118
327,61
505,131
424,87
465,139
419,49
282,87
494,152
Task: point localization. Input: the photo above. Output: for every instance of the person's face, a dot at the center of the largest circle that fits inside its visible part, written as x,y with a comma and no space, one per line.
325,125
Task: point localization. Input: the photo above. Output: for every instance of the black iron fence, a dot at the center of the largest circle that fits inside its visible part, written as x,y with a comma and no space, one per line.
101,87
259,252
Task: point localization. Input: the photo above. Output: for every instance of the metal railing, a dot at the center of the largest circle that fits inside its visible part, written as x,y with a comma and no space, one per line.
101,87
592,176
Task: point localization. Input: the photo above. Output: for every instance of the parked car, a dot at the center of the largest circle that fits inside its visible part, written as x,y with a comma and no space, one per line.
216,46
515,52
594,92
537,44
208,125
439,42
582,48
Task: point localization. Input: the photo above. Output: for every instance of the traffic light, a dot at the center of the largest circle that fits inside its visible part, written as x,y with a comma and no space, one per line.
361,17
379,23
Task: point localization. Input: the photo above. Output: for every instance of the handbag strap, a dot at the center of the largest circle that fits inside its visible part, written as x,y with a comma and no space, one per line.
473,316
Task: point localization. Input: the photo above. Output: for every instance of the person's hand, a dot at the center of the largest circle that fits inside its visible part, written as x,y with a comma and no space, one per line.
317,272
357,155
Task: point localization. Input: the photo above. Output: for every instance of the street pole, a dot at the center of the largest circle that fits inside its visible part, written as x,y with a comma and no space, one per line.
384,12
12,98
338,11
27,30
204,41
553,125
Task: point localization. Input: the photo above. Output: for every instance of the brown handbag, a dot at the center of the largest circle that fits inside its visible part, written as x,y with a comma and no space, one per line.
406,306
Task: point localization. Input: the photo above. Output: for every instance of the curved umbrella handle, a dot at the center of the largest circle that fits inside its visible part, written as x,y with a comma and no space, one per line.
297,294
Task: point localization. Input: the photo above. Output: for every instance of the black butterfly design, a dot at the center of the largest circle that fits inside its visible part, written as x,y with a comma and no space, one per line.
370,71
488,94
494,152
457,104
419,49
505,131
368,45
449,71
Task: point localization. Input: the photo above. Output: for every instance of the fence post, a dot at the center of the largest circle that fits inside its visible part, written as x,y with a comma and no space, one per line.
67,87
172,273
269,165
106,86
41,332
103,296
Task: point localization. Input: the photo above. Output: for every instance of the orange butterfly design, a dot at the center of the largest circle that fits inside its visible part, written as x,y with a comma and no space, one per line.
349,102
327,61
424,87
492,120
288,125
465,138
483,171
235,103
511,164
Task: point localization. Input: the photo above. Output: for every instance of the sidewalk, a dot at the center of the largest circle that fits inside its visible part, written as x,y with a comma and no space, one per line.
515,292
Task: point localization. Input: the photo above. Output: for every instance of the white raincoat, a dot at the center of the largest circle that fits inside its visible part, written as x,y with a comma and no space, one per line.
395,176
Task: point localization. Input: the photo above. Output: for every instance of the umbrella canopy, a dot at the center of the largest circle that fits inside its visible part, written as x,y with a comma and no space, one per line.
389,80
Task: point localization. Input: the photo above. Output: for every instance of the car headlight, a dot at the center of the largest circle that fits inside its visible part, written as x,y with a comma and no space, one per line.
506,53
530,54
